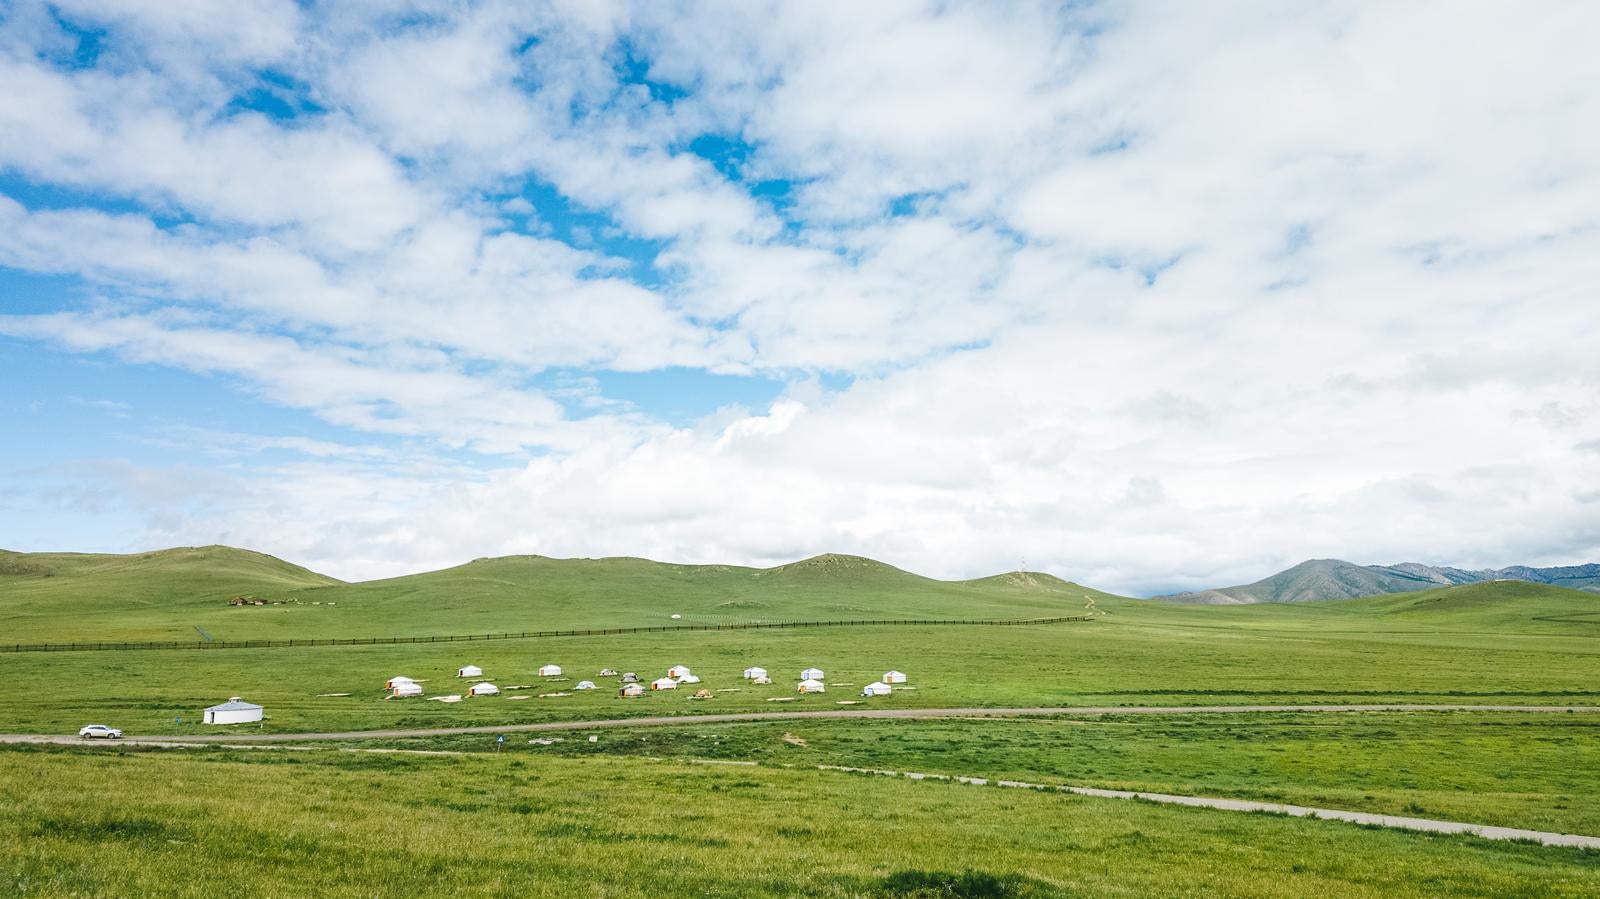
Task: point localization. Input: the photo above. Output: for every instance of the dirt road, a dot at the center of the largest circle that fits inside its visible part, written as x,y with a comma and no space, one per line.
740,717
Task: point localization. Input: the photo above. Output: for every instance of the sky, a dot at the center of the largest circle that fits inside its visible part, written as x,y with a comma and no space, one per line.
1151,296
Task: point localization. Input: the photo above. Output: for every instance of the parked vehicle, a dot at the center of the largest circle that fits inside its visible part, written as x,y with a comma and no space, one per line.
101,731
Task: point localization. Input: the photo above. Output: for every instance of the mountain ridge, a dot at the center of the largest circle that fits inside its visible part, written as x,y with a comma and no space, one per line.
1316,580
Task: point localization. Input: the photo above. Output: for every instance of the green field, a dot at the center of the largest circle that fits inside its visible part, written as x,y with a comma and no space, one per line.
355,824
1491,644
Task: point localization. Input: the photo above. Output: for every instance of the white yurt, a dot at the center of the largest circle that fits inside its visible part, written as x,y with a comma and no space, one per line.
607,672
483,689
761,679
894,677
408,688
469,671
631,690
754,672
876,689
812,674
398,679
234,711
689,679
677,671
549,670
811,685
664,683
584,685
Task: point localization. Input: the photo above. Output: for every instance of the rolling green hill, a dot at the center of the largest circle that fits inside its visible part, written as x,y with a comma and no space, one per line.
170,594
46,593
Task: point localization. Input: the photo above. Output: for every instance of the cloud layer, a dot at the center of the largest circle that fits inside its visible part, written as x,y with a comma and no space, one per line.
1148,296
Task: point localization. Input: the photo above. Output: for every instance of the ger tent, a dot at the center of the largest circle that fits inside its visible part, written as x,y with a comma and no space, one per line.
484,689
811,685
584,685
664,683
754,672
408,688
689,679
234,711
812,674
894,677
469,671
678,671
876,689
549,670
397,679
631,690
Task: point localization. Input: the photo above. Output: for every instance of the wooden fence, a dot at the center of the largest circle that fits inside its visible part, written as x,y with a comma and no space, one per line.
525,635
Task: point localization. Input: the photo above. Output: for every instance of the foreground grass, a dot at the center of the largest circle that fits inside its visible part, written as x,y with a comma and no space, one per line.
1535,772
326,823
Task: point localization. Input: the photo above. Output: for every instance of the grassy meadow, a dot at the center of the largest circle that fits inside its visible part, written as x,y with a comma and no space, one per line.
629,814
281,823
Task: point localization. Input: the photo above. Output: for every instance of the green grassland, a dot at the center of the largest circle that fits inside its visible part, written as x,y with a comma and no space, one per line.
544,819
1533,771
355,824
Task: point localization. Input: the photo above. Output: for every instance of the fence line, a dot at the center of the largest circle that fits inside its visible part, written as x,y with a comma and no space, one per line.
526,635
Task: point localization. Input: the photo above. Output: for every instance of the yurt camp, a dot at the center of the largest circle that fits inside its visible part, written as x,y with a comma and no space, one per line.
234,711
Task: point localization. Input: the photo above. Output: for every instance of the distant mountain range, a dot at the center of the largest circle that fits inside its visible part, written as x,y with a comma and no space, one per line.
1321,579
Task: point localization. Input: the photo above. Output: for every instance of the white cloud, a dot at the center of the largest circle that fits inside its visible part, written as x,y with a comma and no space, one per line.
1181,294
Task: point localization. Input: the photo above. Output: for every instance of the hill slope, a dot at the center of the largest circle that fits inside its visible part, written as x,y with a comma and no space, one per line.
146,592
173,595
1323,579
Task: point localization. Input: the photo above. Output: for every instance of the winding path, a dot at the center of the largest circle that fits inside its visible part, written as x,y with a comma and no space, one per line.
740,717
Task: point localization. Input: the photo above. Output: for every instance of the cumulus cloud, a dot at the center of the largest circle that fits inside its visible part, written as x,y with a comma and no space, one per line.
1151,297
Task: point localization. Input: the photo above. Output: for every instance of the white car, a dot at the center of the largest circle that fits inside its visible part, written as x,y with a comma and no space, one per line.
100,730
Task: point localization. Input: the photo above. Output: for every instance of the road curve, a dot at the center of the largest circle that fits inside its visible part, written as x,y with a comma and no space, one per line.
743,717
